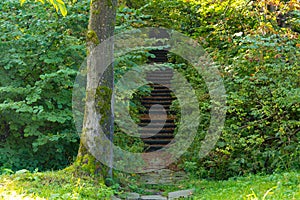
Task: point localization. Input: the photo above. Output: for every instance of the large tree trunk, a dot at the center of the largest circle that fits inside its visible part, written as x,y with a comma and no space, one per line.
98,109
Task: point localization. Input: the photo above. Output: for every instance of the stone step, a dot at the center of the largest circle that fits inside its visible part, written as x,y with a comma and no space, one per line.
155,124
163,176
148,106
186,194
162,122
159,76
160,82
180,194
163,104
157,141
159,93
161,112
156,130
155,101
153,197
158,98
162,69
157,117
160,59
133,196
160,86
154,147
161,90
158,135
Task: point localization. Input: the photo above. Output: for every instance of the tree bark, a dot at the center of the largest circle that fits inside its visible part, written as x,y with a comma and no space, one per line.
98,107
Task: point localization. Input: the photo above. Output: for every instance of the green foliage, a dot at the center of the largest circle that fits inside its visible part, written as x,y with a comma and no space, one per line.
57,4
135,4
40,53
256,55
262,132
48,185
258,61
175,14
128,18
24,184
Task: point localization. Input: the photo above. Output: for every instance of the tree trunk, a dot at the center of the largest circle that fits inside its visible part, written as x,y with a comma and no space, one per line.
98,108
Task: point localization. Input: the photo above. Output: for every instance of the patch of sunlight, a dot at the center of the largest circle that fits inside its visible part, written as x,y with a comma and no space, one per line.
8,193
13,195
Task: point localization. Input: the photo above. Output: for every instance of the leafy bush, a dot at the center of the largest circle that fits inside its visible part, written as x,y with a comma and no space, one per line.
40,55
257,57
258,60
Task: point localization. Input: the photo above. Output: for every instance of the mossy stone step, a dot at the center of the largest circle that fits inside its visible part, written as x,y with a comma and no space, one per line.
162,176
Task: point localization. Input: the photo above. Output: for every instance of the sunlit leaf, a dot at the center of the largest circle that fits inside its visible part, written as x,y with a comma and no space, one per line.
59,5
63,9
22,2
42,1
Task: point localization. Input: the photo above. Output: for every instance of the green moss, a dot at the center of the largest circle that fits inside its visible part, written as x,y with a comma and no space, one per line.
96,12
89,164
86,164
103,99
109,3
92,37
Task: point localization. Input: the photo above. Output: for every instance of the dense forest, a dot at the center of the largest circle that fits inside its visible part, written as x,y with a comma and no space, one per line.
254,44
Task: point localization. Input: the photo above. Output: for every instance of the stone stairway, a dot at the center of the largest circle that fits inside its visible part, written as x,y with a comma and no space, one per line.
159,125
161,130
176,195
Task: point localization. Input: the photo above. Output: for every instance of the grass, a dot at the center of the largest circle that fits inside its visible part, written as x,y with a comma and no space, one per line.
51,185
64,185
276,186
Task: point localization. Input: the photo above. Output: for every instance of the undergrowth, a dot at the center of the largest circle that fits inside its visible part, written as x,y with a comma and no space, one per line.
65,185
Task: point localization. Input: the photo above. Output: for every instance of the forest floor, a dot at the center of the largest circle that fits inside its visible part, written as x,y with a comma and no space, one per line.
24,185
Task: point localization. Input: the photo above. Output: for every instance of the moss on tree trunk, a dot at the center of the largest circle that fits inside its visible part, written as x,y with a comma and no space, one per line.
101,27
